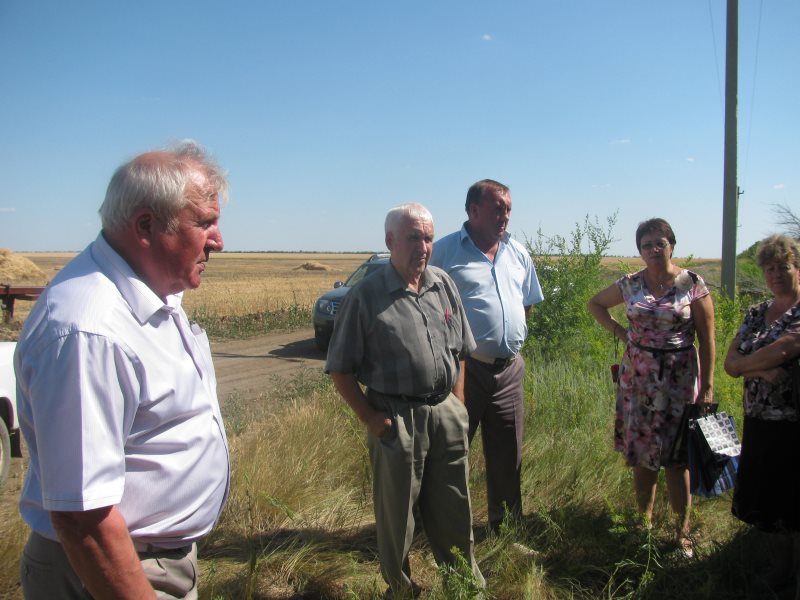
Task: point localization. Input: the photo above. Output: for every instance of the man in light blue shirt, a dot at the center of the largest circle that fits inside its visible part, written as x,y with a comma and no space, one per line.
498,285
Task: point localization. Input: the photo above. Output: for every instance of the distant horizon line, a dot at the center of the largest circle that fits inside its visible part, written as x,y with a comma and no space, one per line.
346,252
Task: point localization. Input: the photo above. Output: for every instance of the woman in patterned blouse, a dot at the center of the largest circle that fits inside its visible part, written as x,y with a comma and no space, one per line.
765,352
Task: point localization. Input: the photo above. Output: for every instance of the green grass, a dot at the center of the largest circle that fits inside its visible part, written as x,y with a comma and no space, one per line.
237,327
299,520
299,524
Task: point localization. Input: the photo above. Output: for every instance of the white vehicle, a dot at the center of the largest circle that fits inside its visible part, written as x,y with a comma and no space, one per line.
9,427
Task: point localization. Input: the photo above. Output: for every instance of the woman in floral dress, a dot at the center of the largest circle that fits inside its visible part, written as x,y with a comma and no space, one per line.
763,352
660,372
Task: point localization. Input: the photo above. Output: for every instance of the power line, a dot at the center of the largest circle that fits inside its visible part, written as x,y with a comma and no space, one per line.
716,58
752,96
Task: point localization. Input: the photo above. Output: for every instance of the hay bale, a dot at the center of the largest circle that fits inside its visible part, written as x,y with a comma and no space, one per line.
312,266
18,270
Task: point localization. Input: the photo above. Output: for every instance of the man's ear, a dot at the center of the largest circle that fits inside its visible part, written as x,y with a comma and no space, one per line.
144,226
389,239
472,211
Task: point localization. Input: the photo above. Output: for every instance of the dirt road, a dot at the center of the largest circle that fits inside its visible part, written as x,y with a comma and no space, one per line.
251,366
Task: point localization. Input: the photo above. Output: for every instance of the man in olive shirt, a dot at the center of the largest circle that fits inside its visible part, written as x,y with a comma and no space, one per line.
402,333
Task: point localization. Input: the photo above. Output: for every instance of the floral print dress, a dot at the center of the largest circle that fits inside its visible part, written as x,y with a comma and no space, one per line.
659,370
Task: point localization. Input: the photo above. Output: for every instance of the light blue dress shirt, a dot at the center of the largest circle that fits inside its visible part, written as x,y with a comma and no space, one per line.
494,294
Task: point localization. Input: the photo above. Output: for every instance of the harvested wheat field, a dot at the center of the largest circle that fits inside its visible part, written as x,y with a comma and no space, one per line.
243,283
234,283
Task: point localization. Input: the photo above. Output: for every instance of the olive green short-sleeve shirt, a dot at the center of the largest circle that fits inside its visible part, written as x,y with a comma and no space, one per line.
398,341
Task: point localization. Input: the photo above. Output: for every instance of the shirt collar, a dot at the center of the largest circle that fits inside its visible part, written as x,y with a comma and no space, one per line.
143,301
394,282
464,235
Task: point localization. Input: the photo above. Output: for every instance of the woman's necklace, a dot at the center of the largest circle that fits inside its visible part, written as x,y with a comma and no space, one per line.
659,287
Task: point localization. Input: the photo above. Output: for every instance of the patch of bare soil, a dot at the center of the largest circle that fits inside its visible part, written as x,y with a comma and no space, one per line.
249,367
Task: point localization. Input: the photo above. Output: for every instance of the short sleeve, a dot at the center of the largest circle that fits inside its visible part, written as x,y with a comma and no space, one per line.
793,326
346,348
78,384
625,286
699,288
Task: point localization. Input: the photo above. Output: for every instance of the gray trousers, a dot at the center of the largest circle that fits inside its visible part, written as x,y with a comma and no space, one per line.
495,401
46,574
422,463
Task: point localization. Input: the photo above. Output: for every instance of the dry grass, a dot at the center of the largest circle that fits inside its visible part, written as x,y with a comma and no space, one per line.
247,283
17,269
240,283
13,531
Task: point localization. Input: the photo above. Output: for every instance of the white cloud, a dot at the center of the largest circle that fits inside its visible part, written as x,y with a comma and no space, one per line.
486,37
778,186
2,209
601,186
690,159
619,142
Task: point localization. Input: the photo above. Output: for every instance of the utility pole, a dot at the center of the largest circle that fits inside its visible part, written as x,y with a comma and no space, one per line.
730,195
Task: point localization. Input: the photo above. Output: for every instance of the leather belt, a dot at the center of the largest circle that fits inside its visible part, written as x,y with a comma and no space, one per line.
659,354
497,363
143,548
430,399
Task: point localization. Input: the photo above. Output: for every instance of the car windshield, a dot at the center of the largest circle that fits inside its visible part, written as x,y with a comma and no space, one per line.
362,272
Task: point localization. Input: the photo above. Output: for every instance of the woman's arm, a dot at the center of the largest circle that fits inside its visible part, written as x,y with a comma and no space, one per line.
782,350
703,317
598,307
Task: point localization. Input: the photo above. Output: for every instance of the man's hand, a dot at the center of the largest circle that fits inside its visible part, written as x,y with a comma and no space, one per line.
378,424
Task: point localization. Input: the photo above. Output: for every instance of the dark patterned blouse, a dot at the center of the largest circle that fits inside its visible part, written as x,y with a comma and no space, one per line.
762,399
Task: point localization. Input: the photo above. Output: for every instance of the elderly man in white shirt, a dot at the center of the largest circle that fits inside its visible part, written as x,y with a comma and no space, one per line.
117,395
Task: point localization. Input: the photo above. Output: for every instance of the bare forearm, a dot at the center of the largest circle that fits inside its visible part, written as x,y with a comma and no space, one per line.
706,354
458,388
598,307
100,550
779,352
703,316
606,321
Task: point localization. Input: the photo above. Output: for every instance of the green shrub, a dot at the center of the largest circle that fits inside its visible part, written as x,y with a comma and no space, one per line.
569,271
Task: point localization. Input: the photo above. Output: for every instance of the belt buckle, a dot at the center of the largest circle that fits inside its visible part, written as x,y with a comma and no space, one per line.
503,363
434,399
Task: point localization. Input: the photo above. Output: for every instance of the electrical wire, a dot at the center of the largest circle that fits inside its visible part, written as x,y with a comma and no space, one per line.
716,58
748,139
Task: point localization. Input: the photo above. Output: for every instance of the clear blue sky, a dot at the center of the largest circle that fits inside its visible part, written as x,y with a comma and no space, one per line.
326,114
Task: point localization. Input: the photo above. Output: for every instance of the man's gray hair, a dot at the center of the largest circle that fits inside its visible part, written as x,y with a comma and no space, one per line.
411,211
163,181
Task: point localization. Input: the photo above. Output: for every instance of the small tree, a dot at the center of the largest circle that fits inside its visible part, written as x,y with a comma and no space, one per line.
785,217
569,271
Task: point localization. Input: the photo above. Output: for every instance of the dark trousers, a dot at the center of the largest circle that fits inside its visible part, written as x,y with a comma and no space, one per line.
494,400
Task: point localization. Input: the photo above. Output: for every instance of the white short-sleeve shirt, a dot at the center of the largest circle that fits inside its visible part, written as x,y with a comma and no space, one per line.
118,405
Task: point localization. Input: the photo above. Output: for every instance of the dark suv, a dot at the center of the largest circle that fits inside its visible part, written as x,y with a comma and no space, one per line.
326,306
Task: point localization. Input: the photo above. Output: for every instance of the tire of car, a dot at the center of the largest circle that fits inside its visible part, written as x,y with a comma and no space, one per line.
5,452
322,341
